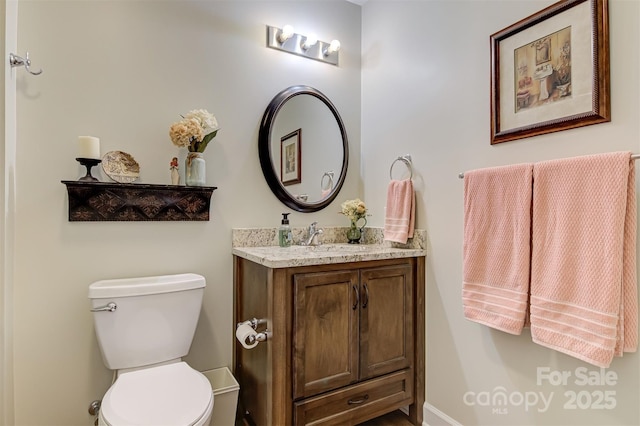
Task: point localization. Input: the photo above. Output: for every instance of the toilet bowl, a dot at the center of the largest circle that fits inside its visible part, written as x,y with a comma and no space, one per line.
144,326
173,394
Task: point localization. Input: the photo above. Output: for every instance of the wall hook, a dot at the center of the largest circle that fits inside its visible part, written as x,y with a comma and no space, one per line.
18,61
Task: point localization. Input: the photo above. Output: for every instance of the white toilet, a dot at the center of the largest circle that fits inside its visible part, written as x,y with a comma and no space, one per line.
144,327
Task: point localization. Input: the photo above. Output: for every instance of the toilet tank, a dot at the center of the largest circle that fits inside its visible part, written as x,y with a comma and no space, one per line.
154,320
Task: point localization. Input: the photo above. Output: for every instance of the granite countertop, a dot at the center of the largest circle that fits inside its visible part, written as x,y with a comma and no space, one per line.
257,246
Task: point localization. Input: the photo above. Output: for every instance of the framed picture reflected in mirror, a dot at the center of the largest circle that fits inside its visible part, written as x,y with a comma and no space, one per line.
290,157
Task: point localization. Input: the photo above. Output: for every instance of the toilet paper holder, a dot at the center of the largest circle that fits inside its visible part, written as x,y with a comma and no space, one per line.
254,323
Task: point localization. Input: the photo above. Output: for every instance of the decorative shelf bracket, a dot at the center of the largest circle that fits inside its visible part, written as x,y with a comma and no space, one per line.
104,201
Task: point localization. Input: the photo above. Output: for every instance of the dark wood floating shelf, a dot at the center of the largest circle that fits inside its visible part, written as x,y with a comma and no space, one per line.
105,201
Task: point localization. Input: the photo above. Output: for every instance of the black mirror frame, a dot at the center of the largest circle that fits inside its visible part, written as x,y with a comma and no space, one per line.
264,149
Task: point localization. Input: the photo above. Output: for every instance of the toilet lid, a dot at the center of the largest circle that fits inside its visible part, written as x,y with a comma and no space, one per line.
173,394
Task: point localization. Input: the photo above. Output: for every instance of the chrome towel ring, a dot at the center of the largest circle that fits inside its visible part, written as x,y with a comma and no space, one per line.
406,159
329,181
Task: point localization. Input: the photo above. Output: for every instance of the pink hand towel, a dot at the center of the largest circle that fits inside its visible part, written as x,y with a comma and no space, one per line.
400,211
496,251
584,299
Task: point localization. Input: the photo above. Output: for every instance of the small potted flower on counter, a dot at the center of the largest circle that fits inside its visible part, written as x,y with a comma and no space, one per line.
355,210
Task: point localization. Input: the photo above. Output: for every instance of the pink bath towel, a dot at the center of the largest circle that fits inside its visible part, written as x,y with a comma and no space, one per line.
496,251
400,214
584,299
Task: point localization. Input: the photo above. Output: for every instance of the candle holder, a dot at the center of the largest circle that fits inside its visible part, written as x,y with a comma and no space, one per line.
88,163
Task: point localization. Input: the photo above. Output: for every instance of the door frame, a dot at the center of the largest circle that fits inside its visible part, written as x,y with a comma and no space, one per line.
9,28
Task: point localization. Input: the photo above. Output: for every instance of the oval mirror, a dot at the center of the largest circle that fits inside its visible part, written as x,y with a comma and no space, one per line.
303,148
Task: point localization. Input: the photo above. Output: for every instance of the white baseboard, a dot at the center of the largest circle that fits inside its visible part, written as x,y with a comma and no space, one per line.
434,417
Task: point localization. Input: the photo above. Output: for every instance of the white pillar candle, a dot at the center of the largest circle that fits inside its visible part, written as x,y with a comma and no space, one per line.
88,147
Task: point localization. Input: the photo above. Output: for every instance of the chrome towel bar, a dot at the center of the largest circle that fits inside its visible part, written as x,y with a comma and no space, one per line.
633,157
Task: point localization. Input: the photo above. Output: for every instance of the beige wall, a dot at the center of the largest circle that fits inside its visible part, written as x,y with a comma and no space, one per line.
425,89
124,71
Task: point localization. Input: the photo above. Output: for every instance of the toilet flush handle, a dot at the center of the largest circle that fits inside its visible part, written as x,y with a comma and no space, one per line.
110,307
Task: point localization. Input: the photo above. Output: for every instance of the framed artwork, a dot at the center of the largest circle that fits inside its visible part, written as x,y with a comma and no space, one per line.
290,163
550,71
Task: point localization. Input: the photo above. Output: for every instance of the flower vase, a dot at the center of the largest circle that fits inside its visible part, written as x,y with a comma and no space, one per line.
195,170
354,233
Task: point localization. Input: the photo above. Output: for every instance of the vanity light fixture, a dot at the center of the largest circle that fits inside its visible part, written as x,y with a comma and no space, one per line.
287,40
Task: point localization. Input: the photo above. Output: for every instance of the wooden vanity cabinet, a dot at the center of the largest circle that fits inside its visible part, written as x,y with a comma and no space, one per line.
349,326
346,343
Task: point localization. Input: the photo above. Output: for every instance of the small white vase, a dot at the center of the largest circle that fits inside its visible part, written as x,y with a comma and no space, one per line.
195,169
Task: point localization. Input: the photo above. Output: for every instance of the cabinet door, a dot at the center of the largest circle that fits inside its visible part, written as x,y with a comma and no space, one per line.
325,331
386,320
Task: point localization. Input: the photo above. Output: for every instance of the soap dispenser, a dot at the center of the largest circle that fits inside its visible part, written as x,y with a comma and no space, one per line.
285,238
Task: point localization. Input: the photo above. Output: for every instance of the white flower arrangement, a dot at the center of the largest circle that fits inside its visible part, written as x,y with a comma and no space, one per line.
195,130
354,209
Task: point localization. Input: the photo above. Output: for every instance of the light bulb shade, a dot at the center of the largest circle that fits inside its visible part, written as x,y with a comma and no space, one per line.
334,46
285,34
309,41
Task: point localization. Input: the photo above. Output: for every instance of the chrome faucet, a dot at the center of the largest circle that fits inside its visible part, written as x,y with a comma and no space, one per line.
313,233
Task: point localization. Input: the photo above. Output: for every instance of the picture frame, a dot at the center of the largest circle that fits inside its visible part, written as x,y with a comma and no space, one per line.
290,158
550,71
